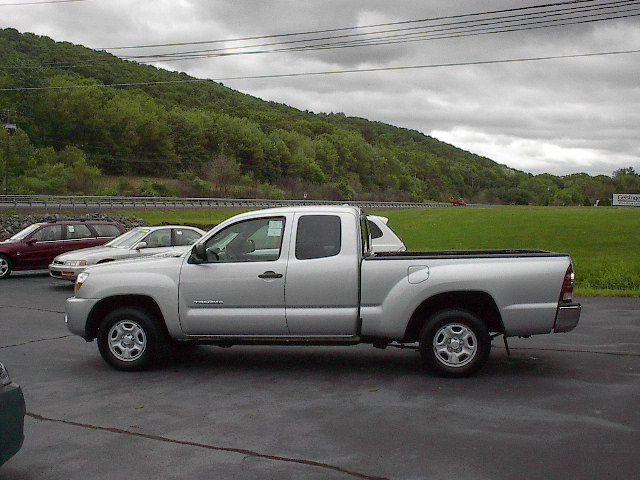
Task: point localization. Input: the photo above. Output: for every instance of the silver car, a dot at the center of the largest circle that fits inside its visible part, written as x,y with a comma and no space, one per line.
136,243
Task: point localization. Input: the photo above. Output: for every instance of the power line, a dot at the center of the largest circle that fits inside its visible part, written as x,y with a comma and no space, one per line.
450,26
326,72
413,36
375,42
19,4
357,27
408,38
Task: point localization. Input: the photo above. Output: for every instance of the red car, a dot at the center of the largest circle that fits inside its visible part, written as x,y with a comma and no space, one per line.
35,247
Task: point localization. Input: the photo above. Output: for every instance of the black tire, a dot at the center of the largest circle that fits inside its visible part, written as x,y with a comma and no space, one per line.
156,343
6,262
455,343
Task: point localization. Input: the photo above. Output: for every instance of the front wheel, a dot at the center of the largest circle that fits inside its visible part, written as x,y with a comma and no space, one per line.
131,339
455,343
5,266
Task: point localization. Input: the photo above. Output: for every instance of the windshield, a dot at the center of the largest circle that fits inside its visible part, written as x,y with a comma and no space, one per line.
129,239
26,232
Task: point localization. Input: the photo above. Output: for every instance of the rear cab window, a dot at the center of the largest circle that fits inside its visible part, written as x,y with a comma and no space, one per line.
318,236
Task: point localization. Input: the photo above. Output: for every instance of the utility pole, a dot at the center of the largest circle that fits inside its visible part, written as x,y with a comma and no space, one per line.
11,129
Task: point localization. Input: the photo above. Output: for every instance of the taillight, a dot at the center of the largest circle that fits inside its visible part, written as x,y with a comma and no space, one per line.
566,294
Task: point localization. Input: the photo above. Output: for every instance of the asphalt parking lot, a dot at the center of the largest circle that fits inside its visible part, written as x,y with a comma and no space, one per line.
561,406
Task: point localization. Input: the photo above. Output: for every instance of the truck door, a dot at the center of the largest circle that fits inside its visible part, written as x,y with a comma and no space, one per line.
323,275
239,290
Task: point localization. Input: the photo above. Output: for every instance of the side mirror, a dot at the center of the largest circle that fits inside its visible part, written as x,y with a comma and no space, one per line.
198,253
31,241
141,245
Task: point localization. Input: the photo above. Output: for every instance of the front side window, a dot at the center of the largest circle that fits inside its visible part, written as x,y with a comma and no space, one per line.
318,236
50,233
185,236
159,239
258,240
78,232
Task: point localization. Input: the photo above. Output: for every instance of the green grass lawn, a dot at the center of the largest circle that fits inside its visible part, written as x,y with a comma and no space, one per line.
604,242
199,218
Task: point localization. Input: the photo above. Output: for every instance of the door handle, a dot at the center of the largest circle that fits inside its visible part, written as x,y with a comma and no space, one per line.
270,274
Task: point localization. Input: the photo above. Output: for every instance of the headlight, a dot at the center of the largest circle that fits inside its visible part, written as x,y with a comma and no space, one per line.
80,280
76,263
4,376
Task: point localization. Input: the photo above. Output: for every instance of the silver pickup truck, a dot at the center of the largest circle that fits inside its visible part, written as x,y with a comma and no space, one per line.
306,276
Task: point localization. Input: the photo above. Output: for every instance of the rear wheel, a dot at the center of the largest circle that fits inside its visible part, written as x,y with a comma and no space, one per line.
455,343
131,339
5,266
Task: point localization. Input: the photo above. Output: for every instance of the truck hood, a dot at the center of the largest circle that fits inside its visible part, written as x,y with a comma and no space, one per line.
139,276
138,265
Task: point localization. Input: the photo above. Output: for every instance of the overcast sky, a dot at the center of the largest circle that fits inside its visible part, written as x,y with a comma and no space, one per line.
560,116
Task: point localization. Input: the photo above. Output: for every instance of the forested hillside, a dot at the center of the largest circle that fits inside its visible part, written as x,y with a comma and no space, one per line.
204,139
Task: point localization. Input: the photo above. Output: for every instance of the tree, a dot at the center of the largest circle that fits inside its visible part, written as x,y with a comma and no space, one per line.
223,171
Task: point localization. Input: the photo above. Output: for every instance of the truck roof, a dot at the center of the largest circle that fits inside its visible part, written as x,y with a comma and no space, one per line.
306,209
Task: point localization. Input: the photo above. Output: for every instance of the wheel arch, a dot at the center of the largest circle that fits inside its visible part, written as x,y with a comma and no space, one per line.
108,304
478,302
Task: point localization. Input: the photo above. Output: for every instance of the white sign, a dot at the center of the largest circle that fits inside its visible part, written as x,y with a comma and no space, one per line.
626,199
275,228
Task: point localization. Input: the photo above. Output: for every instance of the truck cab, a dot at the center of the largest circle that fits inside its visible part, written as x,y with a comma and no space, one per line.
238,285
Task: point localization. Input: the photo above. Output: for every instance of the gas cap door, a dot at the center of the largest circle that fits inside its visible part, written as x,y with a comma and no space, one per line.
417,273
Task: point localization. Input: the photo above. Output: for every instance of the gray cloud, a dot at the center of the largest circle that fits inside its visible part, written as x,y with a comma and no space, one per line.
559,116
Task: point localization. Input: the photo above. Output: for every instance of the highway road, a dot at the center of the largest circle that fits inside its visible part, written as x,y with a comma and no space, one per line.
54,203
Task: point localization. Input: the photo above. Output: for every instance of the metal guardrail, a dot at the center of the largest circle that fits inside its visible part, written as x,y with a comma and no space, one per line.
176,203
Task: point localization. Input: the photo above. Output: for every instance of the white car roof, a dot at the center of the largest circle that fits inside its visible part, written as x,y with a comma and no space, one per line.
384,220
158,227
310,208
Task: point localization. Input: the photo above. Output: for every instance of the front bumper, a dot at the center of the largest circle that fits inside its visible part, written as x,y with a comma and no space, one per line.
567,317
78,310
12,410
65,272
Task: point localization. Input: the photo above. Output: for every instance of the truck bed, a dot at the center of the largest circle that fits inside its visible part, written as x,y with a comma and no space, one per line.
446,254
